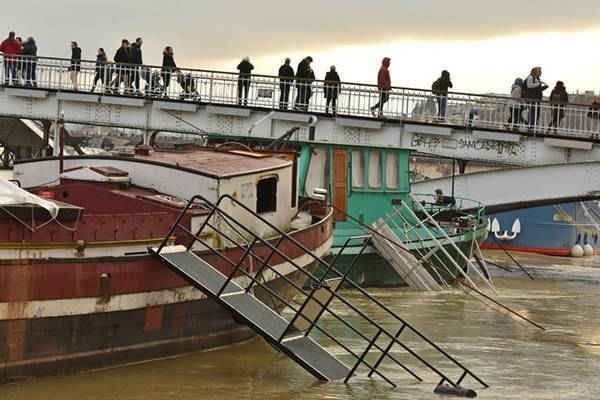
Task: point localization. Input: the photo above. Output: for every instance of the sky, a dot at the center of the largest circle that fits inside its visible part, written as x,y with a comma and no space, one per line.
485,45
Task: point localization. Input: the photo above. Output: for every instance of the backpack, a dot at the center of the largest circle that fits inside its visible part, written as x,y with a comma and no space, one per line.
436,87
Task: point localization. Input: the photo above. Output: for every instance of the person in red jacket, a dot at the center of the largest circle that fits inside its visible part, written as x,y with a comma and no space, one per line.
11,48
384,84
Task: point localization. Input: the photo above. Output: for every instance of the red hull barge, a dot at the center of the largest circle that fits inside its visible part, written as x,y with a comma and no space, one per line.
80,292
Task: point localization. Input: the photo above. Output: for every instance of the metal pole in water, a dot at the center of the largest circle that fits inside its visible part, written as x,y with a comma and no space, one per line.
502,305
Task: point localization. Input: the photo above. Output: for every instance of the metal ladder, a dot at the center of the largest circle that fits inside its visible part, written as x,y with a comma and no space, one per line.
412,223
236,289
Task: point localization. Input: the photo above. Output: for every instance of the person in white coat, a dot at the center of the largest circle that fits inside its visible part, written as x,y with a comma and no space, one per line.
516,92
533,90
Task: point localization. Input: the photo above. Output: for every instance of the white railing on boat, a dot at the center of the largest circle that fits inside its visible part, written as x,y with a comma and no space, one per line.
354,99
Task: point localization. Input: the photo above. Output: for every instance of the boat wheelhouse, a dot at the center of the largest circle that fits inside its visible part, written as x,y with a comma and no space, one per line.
366,184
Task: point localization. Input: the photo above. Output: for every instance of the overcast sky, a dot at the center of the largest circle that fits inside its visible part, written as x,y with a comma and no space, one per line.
472,36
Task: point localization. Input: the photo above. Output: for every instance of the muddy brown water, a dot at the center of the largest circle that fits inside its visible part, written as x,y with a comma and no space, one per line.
517,360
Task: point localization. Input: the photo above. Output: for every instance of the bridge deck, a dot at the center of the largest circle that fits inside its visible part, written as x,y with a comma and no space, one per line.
354,100
473,127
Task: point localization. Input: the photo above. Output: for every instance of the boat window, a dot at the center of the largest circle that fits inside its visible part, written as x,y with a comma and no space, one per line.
358,169
391,172
375,169
316,171
266,195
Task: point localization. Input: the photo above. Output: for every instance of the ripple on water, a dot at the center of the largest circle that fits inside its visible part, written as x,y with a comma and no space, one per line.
518,361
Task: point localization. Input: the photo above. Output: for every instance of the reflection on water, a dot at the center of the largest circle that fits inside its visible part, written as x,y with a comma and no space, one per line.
518,361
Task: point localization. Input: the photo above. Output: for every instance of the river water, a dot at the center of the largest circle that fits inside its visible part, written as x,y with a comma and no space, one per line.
517,360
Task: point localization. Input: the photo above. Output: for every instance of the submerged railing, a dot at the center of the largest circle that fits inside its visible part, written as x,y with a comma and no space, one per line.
263,91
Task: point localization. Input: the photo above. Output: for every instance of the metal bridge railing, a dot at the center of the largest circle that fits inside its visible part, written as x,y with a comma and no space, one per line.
356,100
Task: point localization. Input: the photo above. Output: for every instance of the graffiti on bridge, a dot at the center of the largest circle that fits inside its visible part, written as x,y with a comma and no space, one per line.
434,143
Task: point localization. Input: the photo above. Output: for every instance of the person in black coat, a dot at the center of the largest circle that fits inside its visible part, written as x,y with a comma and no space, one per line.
332,89
30,52
168,67
558,98
245,68
122,59
135,58
75,65
440,90
286,77
304,79
100,75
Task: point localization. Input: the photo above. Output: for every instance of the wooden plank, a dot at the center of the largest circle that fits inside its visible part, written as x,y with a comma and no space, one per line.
340,183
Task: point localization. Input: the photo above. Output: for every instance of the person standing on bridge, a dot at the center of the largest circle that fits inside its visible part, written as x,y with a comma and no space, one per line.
121,60
440,89
75,65
332,89
101,68
11,48
30,62
245,68
304,79
286,77
533,91
168,67
135,58
515,118
384,85
20,63
558,98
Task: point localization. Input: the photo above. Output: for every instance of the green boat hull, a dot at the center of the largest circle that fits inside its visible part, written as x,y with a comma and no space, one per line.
371,270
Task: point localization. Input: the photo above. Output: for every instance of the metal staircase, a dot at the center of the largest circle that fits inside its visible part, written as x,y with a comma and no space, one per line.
243,285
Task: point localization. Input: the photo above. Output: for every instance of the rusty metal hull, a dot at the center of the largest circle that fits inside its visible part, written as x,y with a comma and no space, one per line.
61,316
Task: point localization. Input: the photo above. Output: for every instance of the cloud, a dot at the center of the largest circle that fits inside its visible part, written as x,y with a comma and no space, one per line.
209,30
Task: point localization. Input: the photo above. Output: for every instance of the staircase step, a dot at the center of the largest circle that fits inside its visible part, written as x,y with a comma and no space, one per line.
262,319
313,354
188,264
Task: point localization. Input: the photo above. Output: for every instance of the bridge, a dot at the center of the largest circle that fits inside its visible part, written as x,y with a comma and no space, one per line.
515,188
204,102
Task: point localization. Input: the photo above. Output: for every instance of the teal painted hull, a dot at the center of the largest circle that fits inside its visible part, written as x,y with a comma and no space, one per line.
371,270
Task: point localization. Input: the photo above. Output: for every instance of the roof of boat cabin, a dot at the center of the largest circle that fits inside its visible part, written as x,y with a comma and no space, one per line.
218,163
203,161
